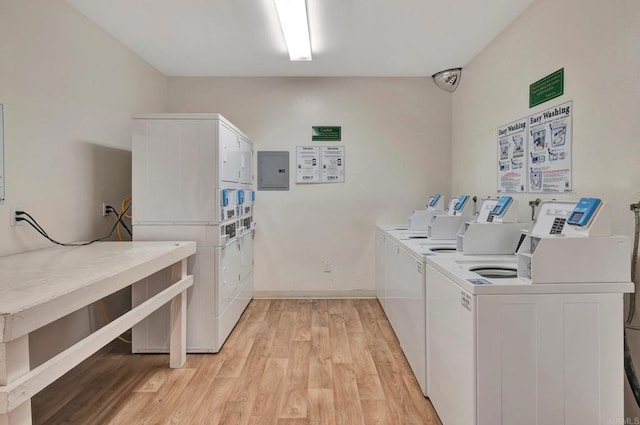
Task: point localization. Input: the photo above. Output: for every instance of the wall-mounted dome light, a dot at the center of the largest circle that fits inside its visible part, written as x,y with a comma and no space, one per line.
448,79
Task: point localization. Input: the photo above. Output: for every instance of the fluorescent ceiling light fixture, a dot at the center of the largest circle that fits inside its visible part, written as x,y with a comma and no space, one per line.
295,28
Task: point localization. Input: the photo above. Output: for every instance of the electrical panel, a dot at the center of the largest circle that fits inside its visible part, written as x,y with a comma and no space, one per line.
273,170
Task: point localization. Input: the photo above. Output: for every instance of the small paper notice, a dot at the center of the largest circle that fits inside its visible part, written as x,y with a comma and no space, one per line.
307,164
333,164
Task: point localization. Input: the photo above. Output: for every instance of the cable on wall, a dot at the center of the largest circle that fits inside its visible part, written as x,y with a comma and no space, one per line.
124,206
28,218
111,210
31,221
628,361
634,260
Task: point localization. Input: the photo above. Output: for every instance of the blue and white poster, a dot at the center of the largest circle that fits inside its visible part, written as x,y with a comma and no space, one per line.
549,141
512,157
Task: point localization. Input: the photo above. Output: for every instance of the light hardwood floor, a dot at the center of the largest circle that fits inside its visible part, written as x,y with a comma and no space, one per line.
287,362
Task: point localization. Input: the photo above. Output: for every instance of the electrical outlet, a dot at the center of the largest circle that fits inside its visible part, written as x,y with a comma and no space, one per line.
104,209
12,218
327,267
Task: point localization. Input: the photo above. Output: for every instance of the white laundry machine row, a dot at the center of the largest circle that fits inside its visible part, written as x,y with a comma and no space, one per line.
401,280
400,288
390,247
532,349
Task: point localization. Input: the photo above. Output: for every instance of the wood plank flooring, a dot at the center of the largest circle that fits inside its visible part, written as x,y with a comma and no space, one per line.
287,362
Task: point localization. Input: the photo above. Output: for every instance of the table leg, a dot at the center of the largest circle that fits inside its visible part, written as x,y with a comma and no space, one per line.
14,362
21,415
178,324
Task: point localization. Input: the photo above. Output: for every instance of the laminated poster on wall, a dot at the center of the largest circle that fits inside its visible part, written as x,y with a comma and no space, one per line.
2,185
549,143
332,164
512,157
307,164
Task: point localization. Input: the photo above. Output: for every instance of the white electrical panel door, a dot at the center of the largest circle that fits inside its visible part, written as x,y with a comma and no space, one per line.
451,355
173,178
229,152
550,359
246,161
228,275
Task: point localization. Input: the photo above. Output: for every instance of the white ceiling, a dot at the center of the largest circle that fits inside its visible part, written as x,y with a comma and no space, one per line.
349,37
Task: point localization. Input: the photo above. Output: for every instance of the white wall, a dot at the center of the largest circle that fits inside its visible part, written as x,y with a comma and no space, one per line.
68,90
597,44
598,50
396,135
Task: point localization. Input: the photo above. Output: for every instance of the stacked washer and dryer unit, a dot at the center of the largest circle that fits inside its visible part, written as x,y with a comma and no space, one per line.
193,180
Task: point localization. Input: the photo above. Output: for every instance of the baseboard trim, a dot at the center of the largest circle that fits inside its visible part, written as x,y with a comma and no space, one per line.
354,293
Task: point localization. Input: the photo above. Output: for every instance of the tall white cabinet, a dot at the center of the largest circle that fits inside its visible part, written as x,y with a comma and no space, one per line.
193,180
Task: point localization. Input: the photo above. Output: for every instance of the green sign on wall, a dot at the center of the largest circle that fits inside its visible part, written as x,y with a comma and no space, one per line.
546,88
326,134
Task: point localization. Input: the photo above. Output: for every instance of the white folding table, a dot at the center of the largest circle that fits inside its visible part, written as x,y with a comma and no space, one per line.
39,287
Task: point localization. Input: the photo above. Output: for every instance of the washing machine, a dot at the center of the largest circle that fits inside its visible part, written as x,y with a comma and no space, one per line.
390,227
445,226
400,287
495,230
420,219
401,260
534,338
